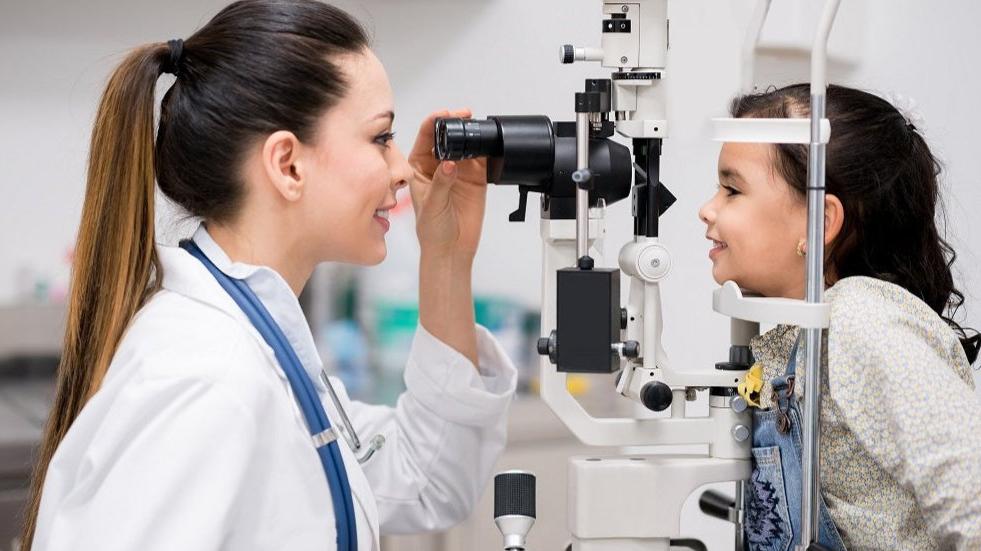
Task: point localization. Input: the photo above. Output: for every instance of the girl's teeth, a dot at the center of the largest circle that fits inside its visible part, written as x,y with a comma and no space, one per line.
382,214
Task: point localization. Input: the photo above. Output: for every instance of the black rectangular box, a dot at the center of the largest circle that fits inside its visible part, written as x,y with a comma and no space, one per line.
588,320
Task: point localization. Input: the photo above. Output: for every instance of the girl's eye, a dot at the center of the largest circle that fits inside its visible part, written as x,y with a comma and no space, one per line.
730,191
385,138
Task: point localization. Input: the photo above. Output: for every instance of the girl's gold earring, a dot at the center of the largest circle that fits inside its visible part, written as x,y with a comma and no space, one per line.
800,248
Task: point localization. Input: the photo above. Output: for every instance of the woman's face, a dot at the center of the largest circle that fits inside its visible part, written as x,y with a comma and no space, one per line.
357,168
755,222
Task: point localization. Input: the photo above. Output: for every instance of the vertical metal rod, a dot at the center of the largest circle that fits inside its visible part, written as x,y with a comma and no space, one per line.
811,491
582,195
739,516
811,460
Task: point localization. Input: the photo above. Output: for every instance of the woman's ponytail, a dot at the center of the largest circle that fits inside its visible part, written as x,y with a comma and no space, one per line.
259,66
115,266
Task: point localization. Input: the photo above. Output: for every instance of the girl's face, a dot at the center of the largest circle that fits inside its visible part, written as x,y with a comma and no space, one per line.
755,221
357,168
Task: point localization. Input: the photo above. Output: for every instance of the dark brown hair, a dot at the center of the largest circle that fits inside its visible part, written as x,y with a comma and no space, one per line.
257,67
887,179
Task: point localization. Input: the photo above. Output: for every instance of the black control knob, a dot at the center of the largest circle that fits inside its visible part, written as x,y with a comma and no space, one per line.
514,507
514,494
740,359
567,54
543,346
631,349
656,396
548,346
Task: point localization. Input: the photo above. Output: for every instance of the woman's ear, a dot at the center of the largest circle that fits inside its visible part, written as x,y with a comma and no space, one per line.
281,164
834,217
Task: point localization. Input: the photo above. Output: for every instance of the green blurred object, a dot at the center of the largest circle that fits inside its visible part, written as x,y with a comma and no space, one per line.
394,328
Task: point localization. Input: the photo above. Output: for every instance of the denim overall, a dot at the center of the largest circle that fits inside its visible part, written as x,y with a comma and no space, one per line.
773,492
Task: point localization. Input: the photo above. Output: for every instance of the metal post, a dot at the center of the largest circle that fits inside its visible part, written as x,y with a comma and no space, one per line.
811,460
815,293
582,195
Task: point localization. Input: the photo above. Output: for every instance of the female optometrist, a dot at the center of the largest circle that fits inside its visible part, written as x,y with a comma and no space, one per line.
190,411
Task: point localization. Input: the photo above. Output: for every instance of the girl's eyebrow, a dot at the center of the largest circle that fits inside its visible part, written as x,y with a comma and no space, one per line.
730,174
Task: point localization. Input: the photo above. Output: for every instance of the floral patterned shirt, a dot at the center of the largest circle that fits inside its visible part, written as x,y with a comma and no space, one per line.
900,423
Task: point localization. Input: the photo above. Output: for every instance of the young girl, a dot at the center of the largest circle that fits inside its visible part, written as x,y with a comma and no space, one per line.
185,418
901,426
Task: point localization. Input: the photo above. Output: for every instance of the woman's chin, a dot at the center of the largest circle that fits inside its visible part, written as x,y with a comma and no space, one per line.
368,256
376,256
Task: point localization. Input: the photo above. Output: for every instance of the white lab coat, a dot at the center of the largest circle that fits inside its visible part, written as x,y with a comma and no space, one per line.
194,441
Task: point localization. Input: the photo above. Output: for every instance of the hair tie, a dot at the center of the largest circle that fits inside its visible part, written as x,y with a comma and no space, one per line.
172,65
908,108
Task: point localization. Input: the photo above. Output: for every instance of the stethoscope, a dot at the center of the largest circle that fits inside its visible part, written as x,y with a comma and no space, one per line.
351,435
322,434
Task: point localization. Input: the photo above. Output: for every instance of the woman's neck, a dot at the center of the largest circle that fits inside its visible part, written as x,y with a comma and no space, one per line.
264,248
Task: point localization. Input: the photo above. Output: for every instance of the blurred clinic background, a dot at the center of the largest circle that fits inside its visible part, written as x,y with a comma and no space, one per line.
497,57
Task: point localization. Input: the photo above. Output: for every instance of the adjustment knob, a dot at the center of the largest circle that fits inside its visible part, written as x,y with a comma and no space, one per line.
514,494
740,433
567,53
631,349
543,346
514,507
656,396
548,346
582,178
739,404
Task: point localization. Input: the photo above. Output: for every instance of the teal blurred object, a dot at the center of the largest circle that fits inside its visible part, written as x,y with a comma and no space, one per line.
394,323
394,327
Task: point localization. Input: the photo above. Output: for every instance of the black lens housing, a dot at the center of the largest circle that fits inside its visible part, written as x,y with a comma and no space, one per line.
458,139
532,152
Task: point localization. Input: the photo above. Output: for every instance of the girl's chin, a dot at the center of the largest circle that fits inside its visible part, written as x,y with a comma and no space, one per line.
719,275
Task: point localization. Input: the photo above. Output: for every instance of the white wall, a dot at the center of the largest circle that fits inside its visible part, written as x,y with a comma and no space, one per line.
498,57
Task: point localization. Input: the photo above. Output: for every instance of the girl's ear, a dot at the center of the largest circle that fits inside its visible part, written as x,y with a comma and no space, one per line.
834,217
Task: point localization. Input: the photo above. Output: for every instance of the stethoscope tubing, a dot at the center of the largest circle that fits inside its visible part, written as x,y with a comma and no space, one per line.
303,389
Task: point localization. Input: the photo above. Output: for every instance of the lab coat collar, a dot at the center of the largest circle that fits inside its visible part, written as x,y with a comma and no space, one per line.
186,275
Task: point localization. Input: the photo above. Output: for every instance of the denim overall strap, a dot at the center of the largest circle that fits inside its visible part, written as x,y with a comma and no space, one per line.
773,492
783,389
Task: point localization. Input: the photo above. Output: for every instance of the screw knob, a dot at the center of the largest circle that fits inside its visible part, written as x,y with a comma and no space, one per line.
656,396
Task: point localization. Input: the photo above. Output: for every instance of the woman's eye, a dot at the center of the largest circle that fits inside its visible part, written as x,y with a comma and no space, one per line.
384,139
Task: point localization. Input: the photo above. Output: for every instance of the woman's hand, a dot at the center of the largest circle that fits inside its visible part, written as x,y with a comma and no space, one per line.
448,197
449,200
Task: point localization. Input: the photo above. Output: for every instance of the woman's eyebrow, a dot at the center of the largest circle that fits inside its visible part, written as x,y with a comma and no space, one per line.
390,115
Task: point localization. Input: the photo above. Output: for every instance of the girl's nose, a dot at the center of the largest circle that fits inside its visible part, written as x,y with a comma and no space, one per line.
707,213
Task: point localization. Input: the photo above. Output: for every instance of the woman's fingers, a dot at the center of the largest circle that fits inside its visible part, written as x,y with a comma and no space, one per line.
431,173
422,151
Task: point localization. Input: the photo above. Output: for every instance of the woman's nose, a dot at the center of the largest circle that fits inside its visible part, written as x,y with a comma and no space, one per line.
402,173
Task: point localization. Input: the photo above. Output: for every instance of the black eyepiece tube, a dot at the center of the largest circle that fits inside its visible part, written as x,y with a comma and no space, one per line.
458,139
